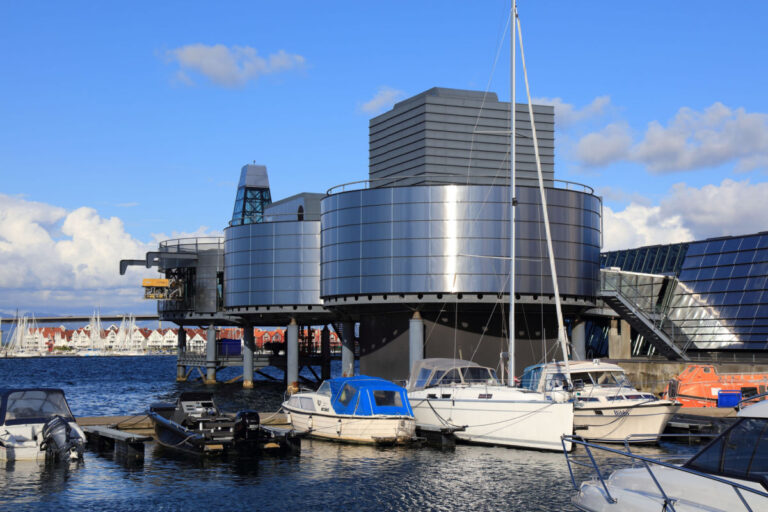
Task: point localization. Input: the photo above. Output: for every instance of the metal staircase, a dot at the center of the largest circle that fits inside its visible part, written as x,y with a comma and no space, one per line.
643,311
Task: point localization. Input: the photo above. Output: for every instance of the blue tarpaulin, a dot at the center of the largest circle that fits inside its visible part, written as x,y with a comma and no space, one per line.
367,396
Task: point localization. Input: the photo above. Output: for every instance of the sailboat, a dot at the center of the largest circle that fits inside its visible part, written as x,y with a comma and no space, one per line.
458,393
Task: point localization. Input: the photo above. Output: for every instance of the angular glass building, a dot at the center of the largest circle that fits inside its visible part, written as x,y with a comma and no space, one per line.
717,291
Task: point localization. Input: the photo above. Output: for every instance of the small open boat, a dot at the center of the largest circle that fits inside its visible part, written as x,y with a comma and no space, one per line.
37,424
354,409
195,425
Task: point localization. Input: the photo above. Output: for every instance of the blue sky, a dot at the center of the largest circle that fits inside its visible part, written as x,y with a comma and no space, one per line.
130,121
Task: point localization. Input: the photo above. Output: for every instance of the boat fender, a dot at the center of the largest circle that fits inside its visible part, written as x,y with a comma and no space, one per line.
309,422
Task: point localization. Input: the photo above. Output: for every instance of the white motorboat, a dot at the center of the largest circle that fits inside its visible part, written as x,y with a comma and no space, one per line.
607,408
729,474
36,424
461,394
354,409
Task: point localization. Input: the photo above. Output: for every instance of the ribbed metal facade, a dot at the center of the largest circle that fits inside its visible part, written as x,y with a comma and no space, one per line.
457,136
452,239
272,263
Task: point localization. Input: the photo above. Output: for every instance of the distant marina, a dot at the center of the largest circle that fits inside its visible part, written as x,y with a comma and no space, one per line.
25,338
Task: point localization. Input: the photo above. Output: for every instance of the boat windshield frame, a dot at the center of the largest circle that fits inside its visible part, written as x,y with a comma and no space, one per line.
25,410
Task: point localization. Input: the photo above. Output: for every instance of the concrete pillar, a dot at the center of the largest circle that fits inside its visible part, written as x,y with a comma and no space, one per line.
415,340
181,347
248,347
210,356
619,342
579,341
348,349
292,357
325,353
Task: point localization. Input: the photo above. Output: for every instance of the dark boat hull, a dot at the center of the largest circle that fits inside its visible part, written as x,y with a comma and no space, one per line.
176,437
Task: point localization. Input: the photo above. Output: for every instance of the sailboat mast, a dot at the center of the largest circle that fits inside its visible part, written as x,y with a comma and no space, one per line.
512,198
561,334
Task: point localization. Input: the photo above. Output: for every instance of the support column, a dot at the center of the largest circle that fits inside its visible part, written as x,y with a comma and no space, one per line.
325,353
618,341
248,347
415,340
210,356
292,357
181,348
579,341
348,349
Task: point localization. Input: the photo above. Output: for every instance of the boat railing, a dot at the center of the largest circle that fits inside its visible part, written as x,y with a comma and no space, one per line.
751,399
639,460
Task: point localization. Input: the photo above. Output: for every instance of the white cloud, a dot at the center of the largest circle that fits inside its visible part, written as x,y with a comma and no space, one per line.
385,97
692,140
567,114
689,213
229,67
606,146
56,261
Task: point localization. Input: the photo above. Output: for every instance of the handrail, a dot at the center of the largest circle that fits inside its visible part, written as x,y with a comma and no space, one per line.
397,179
646,461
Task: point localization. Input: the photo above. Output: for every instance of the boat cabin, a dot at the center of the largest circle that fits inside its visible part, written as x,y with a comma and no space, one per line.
587,377
36,405
429,373
358,396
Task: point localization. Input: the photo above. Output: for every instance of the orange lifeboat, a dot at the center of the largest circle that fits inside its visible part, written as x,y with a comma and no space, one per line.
701,386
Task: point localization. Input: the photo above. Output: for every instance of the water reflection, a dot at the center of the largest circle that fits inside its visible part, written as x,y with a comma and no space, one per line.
326,476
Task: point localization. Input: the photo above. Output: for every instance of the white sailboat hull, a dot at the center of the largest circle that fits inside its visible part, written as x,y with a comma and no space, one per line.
353,429
614,424
510,417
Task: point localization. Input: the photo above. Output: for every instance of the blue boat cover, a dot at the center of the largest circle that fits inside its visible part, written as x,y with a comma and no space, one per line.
367,396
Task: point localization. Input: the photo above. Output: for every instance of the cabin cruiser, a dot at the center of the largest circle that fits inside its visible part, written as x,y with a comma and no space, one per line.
37,424
607,408
461,394
729,474
357,409
195,425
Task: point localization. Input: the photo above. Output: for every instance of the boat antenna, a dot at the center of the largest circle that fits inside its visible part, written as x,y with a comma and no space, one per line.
512,197
562,336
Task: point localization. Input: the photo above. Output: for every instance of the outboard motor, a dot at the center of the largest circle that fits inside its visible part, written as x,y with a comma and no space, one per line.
247,426
60,441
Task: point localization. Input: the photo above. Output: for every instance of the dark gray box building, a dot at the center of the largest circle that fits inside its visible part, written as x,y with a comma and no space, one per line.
442,136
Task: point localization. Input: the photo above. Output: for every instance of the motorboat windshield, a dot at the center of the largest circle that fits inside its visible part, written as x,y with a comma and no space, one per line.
446,372
741,452
32,406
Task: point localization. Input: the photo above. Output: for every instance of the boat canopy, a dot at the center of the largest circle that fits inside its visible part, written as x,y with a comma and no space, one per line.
445,371
32,405
366,396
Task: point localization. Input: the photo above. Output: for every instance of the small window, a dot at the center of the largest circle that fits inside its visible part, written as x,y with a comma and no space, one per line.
421,380
307,404
347,394
387,398
324,389
301,213
451,377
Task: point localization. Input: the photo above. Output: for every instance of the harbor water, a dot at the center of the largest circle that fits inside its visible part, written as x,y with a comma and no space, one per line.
326,476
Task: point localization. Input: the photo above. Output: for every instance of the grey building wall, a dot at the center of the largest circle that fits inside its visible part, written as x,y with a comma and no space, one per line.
437,133
288,208
452,239
272,263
